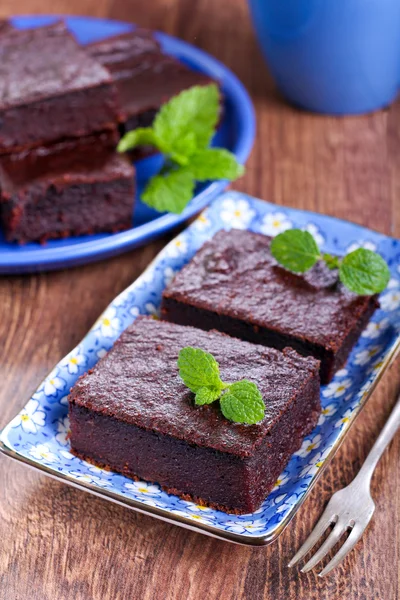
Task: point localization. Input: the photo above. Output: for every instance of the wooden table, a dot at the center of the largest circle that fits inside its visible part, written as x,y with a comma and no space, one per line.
57,543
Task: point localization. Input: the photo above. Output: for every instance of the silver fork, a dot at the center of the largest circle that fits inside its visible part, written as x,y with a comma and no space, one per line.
350,508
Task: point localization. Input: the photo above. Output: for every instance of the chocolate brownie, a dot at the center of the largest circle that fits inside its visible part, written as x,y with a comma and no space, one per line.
235,285
145,77
50,89
133,414
70,188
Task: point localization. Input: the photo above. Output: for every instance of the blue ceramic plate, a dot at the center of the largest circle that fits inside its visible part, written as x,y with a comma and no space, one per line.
38,435
235,133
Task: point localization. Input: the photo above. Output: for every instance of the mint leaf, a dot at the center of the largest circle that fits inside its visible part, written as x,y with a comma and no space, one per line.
214,163
331,261
182,130
364,272
198,370
296,250
170,192
207,395
193,112
143,136
243,403
183,149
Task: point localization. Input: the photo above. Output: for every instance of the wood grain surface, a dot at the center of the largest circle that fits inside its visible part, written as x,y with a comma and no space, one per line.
58,543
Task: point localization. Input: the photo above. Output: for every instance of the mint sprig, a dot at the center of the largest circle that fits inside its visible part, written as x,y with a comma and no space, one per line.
241,401
182,130
362,271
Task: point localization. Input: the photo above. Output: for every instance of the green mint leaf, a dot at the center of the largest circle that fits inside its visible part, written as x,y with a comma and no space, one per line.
296,250
207,395
193,112
143,136
182,150
243,403
331,261
214,163
364,272
198,370
170,192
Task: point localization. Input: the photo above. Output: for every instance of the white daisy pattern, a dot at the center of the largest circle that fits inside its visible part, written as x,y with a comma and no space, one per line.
274,223
365,356
169,274
74,361
316,233
31,418
43,453
53,384
147,276
390,301
367,244
197,507
376,366
287,504
134,311
393,284
152,502
326,412
86,478
109,324
316,463
345,419
96,470
67,455
102,352
236,213
282,480
309,445
375,328
202,222
177,247
335,389
62,431
341,373
141,487
245,527
152,309
193,516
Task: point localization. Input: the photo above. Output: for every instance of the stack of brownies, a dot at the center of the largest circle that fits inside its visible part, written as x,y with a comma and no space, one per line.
62,108
59,109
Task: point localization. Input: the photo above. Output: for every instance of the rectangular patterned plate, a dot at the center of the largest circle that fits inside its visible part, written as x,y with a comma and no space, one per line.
37,436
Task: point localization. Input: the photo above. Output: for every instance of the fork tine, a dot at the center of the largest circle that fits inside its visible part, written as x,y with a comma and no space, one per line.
328,544
314,536
349,544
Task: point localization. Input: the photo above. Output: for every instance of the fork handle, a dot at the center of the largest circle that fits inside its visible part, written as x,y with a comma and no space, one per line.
383,440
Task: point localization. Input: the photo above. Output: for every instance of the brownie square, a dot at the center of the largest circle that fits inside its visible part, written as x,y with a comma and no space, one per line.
132,414
145,77
50,89
235,285
70,188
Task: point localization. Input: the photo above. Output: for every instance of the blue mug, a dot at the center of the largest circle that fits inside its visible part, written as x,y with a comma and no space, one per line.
332,56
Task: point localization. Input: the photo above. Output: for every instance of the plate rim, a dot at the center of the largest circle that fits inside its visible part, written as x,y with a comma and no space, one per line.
185,522
47,259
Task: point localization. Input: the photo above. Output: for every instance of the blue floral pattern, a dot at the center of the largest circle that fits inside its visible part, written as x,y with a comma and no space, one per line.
39,433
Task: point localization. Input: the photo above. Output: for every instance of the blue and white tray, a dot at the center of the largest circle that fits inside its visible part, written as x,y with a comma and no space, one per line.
236,133
38,435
